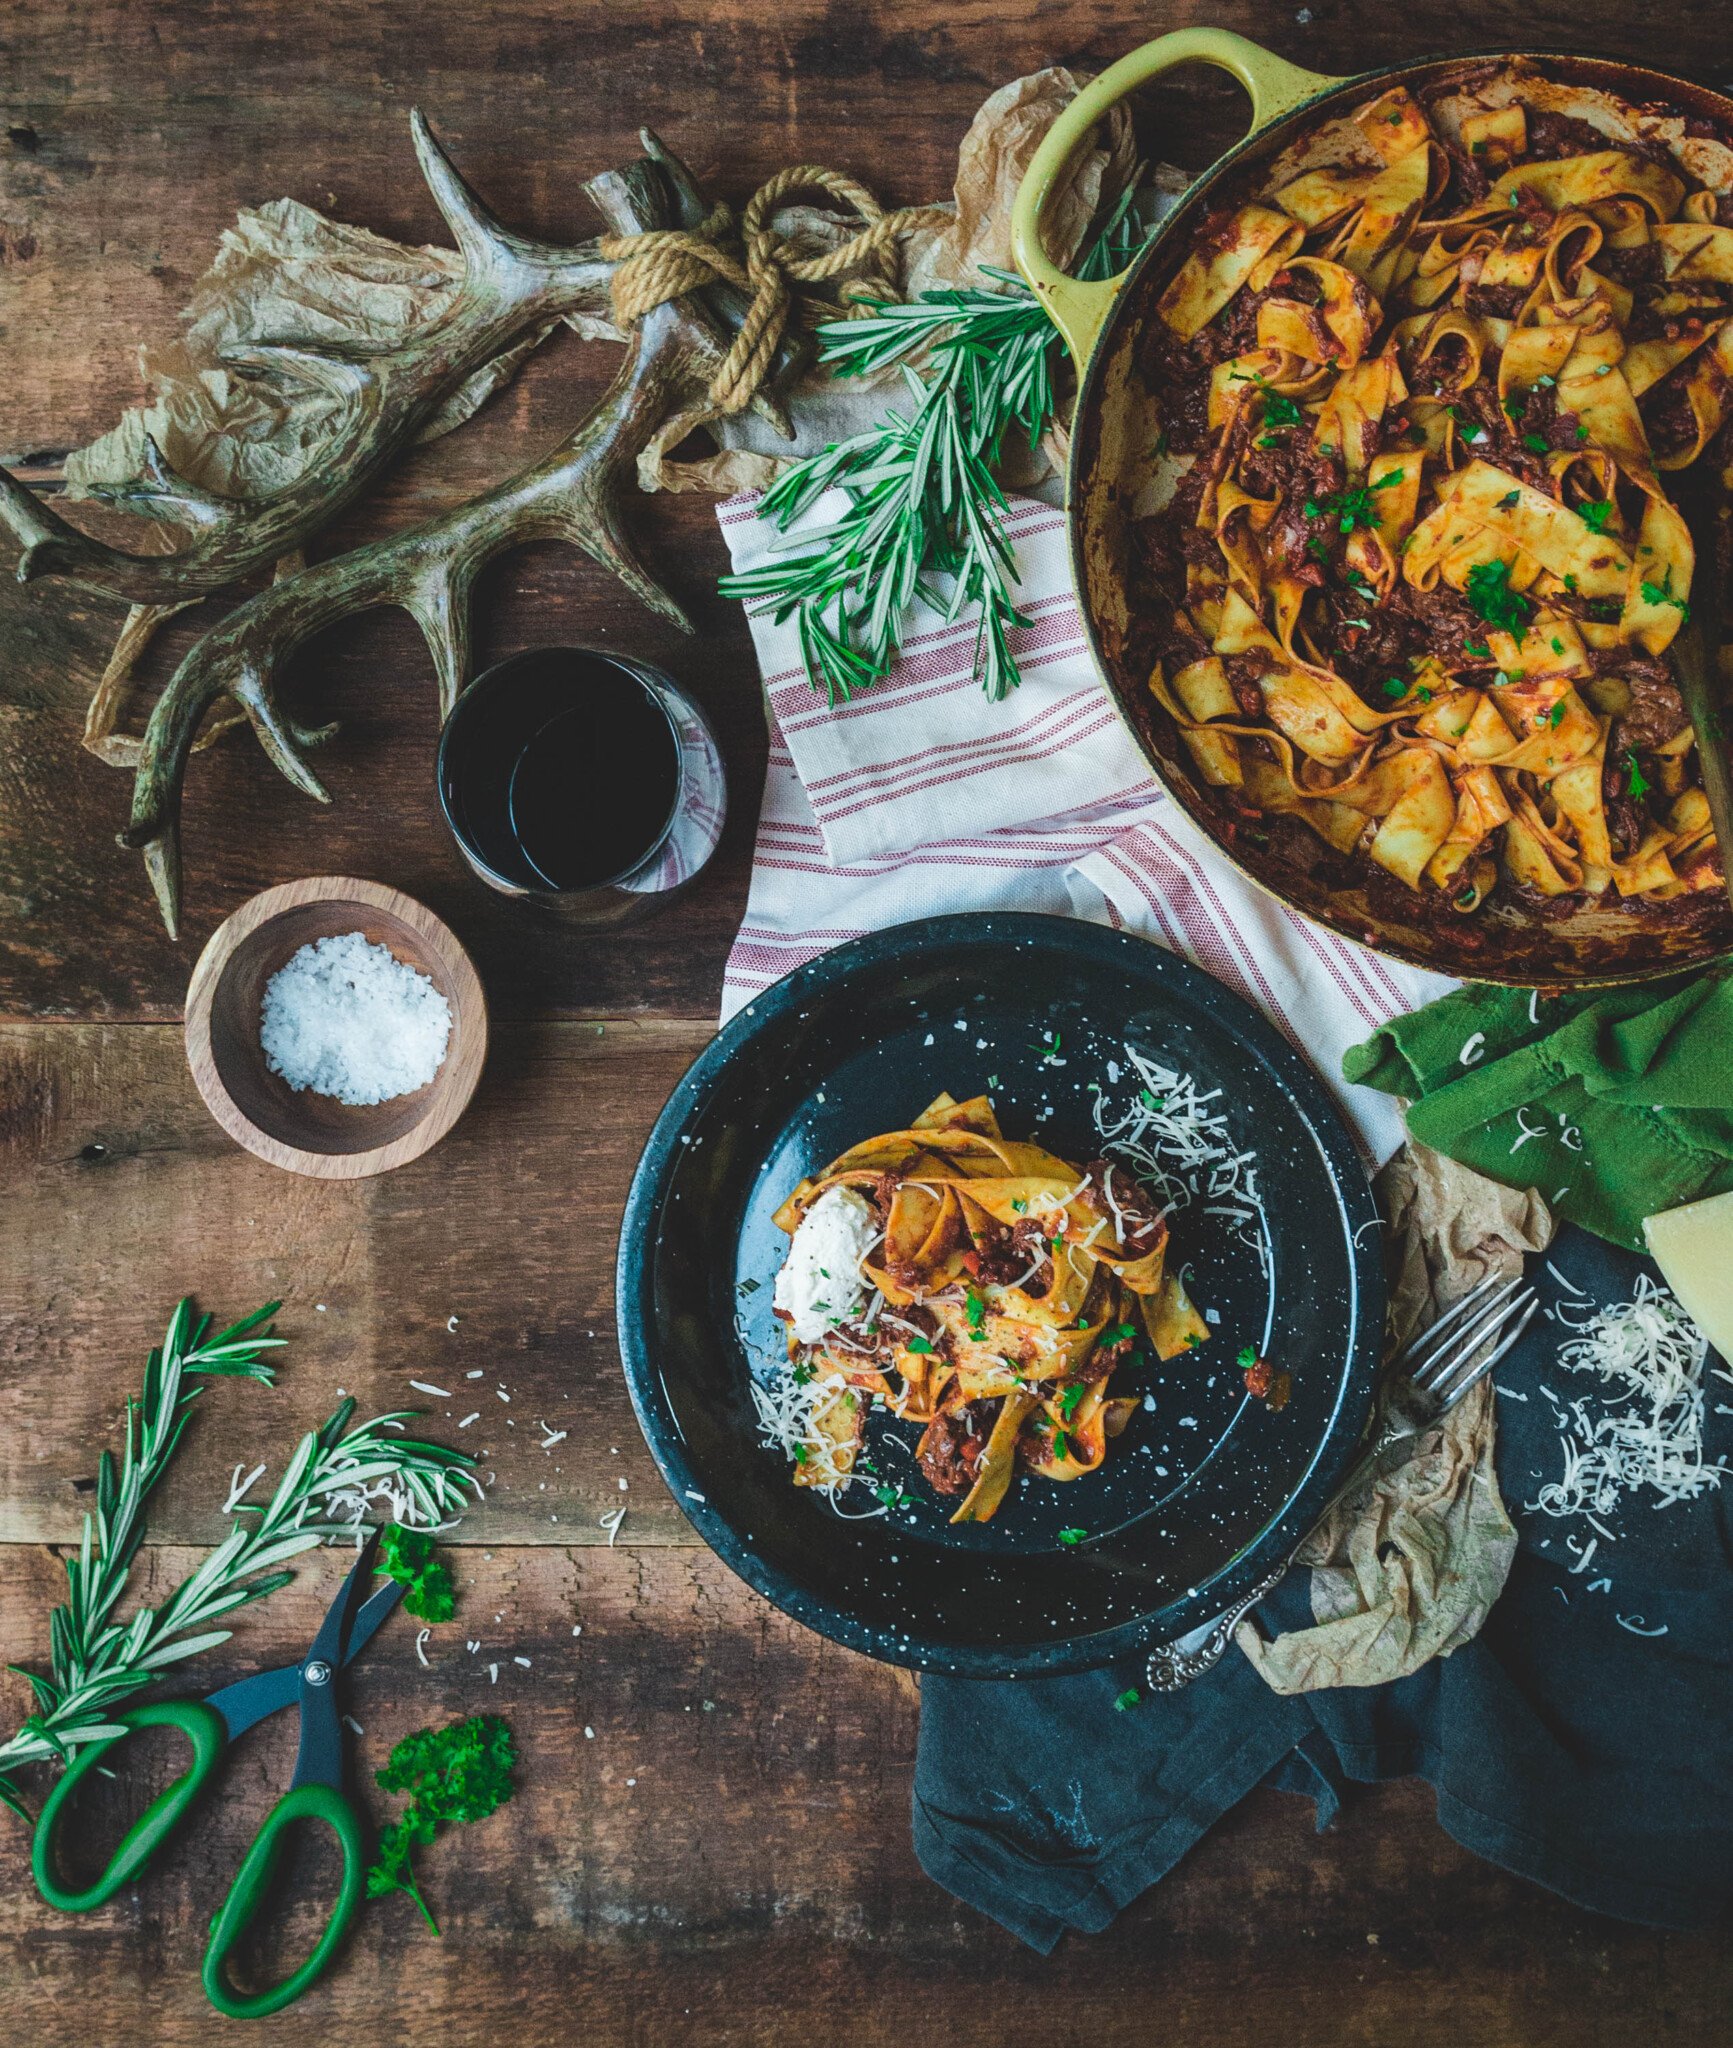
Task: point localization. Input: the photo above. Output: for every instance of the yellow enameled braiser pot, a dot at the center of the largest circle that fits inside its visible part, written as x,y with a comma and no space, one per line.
1116,425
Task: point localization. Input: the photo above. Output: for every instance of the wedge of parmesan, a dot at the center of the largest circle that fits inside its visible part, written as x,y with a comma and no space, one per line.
1693,1247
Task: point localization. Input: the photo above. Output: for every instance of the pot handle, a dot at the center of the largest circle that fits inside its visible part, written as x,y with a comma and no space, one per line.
1079,310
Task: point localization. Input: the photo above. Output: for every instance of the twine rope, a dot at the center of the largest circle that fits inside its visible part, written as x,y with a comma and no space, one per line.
666,263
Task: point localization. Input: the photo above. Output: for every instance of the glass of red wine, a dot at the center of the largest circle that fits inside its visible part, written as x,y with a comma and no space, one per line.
584,779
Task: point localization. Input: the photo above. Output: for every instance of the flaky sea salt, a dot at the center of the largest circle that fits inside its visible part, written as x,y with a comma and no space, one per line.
347,1018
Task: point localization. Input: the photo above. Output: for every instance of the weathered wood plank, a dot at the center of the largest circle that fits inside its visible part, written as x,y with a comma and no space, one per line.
118,1192
727,1860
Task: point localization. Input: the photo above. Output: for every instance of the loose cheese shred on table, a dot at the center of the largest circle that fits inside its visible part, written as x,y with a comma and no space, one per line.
1646,1429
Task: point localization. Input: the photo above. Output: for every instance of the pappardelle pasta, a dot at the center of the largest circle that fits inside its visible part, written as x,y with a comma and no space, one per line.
1419,568
982,1287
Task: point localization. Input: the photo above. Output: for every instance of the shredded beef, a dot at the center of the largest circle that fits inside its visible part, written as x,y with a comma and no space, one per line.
953,1444
1657,710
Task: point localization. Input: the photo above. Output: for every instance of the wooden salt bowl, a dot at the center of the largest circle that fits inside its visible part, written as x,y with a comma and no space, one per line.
303,1131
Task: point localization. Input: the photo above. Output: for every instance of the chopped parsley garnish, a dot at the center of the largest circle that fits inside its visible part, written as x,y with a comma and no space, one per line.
992,1080
975,1308
1662,593
1318,550
1510,498
921,1346
1150,1101
1538,442
1280,411
1127,1699
1394,686
1020,1206
1594,515
1558,647
1061,1444
1248,1357
1640,784
1072,1535
1072,1397
803,1374
1513,405
1424,694
1119,1333
1478,649
1555,717
1488,589
407,1555
1353,508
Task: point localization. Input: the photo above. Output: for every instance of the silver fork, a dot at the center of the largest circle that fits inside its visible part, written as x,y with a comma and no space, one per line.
1446,1360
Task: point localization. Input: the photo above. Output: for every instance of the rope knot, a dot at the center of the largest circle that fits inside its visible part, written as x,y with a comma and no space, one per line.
666,263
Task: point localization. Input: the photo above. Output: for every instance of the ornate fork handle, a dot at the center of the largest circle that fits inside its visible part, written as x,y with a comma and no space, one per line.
1170,1668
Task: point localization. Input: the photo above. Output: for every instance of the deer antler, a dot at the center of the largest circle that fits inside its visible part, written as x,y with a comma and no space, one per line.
430,571
510,286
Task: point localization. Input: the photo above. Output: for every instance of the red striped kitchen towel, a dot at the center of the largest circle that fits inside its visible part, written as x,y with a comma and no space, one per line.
919,797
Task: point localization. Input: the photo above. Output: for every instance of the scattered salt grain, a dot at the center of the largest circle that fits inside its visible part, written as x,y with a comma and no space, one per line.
346,1018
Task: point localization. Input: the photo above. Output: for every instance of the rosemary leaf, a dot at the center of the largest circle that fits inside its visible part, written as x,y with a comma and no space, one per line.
923,499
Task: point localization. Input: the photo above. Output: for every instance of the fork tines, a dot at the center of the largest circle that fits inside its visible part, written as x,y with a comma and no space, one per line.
1452,1355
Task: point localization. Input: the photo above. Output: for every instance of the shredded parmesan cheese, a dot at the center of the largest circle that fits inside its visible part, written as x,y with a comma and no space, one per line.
1175,1143
1646,1430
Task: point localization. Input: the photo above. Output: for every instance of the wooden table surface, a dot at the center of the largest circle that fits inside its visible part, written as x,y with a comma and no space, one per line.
711,1842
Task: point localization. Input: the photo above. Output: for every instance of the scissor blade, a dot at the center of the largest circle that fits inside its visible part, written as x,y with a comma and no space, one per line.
249,1701
367,1623
329,1646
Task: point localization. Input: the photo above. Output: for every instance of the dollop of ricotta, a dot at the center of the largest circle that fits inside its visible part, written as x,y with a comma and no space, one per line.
821,1282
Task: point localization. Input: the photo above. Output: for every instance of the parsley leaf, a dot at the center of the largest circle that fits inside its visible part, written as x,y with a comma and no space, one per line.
1488,589
1555,717
406,1555
1394,686
1640,784
1128,1698
1072,1535
1662,593
454,1774
1248,1357
921,1347
1595,514
1538,442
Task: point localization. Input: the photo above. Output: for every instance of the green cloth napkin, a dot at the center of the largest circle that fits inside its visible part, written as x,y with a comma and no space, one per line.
1629,1092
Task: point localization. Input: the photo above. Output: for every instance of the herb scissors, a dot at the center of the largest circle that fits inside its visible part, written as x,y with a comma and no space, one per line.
316,1792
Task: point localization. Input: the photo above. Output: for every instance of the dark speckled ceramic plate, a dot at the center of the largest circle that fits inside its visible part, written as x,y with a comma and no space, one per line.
1206,1488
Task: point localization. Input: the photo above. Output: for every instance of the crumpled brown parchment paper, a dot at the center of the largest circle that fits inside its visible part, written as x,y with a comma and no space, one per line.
1409,1569
285,271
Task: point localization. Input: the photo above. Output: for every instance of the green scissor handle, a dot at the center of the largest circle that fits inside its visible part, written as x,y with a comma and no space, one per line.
253,1881
203,1727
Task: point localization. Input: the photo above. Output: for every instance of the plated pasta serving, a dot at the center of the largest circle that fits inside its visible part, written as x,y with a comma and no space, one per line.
983,1288
1427,398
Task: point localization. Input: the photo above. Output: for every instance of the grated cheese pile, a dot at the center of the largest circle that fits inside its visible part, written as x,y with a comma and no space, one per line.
1646,1428
787,1410
347,1018
1172,1140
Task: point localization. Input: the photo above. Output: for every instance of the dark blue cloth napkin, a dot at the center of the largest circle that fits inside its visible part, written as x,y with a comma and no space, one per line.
1562,1745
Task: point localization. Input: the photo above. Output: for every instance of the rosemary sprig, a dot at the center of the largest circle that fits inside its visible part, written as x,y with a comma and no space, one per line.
923,497
95,1660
